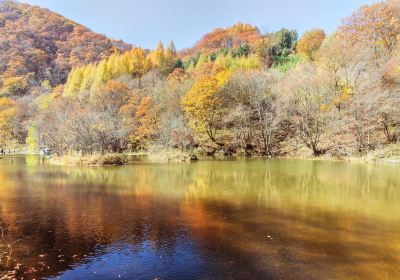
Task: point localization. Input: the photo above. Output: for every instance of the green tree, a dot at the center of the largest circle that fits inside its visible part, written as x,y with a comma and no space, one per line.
243,50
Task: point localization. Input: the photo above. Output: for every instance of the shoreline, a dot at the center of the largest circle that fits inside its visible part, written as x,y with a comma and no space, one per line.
177,156
162,158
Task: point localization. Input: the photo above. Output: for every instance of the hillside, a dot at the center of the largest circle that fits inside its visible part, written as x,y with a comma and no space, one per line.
236,92
229,38
38,45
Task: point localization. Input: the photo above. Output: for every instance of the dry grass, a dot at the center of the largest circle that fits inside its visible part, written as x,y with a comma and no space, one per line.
90,160
159,154
388,154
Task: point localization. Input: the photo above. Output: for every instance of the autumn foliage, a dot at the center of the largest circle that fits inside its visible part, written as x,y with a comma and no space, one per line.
204,102
376,25
236,92
230,38
37,44
7,113
310,43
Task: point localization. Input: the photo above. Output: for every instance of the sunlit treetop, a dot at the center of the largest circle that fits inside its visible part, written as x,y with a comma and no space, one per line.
376,25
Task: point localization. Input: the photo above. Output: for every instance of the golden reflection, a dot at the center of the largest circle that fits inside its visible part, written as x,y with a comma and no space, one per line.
303,220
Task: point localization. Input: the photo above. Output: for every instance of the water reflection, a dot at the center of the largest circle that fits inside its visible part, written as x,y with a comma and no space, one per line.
254,219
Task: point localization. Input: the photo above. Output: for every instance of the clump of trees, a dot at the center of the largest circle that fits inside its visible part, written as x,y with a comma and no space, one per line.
272,95
233,37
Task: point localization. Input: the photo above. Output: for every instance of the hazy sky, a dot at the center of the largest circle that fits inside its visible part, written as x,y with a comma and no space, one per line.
146,22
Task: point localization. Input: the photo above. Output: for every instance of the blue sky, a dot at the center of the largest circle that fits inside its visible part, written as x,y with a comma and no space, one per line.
146,22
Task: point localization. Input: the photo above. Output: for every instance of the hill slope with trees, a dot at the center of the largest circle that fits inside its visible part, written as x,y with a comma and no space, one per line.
38,46
334,95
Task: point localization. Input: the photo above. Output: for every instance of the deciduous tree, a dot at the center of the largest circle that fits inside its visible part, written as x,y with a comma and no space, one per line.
310,43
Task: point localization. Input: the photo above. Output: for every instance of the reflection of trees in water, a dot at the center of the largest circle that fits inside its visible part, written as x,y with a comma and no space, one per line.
267,241
295,244
68,226
5,251
289,183
230,209
8,269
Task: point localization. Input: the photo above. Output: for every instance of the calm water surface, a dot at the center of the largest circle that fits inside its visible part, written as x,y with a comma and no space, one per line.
255,219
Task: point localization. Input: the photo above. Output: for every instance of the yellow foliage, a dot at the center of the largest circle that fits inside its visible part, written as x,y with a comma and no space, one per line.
238,63
14,86
138,65
157,56
88,76
203,102
44,101
222,76
347,92
241,27
246,63
7,113
224,60
134,63
325,108
74,81
345,95
310,43
203,59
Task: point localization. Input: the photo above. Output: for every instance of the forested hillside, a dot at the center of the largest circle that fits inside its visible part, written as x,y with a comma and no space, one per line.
229,38
244,39
39,46
236,92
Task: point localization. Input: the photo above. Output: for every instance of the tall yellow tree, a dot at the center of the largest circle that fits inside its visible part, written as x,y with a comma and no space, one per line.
204,104
88,77
7,113
139,64
170,60
157,56
74,82
102,75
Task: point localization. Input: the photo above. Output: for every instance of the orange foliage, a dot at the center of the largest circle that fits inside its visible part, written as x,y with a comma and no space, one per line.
232,37
376,25
39,45
178,76
310,43
146,118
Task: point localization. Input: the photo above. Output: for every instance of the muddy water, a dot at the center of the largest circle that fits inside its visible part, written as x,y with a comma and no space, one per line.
253,219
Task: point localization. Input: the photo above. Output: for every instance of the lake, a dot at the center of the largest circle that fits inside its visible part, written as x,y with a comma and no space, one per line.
246,219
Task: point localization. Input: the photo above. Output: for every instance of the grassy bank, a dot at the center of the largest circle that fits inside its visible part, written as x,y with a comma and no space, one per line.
156,155
90,160
388,154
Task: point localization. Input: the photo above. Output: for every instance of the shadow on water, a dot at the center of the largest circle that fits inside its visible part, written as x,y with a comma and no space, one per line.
235,220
